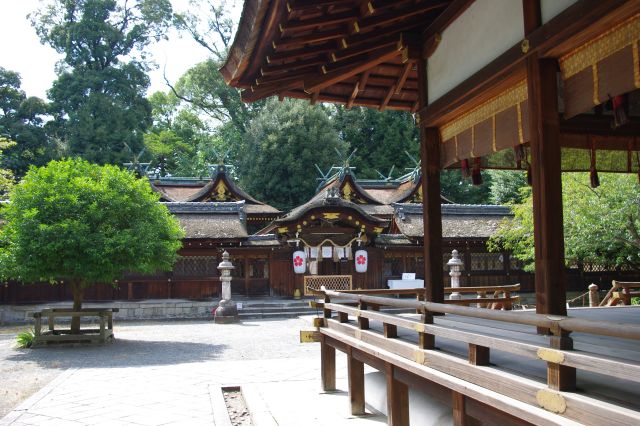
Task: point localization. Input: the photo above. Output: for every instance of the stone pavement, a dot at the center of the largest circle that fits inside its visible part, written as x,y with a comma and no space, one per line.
173,373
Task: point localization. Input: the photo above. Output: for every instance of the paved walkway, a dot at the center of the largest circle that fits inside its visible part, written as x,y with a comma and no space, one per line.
172,373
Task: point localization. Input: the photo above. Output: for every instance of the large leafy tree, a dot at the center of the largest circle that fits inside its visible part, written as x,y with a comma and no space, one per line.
284,142
461,190
21,120
381,138
98,99
81,223
601,225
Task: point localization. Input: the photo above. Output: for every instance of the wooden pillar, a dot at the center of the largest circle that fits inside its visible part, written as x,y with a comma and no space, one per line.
550,280
459,412
397,400
327,365
431,203
356,383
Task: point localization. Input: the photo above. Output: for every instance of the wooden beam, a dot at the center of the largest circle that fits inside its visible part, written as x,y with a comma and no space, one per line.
341,73
314,37
550,280
281,68
327,365
459,412
532,15
296,54
301,5
360,101
324,20
403,77
355,370
397,399
431,205
397,15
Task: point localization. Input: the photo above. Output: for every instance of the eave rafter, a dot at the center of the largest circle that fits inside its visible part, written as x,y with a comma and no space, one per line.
326,50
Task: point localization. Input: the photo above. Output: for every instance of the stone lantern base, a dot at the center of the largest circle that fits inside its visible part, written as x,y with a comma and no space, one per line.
226,312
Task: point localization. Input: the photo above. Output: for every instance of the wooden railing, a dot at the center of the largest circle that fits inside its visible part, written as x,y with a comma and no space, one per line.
475,386
502,297
621,293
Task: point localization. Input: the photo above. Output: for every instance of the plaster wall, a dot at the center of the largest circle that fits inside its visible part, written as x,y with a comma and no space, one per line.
483,32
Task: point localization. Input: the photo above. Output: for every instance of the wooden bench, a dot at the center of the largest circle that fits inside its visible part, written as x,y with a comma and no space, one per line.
100,335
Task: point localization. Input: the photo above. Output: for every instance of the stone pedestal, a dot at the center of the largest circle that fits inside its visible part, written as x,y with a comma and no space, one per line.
227,311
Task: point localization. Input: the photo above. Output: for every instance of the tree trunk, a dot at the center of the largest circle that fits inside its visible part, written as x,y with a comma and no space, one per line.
78,294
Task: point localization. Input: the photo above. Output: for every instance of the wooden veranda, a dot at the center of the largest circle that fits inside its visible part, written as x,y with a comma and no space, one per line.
494,84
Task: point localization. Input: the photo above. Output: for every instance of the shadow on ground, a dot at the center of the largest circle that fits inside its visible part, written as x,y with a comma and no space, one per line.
120,353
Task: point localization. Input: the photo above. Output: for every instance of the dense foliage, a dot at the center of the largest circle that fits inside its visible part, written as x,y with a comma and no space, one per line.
22,121
601,225
283,143
98,101
82,223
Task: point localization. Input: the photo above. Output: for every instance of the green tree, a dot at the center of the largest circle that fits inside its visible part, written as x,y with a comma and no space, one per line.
180,142
82,223
506,186
601,225
21,120
381,139
98,100
284,142
6,176
462,191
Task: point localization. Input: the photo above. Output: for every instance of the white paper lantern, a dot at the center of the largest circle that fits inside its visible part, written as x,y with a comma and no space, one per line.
299,262
361,260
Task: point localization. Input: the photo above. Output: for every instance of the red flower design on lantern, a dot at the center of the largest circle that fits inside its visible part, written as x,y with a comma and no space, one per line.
297,261
361,260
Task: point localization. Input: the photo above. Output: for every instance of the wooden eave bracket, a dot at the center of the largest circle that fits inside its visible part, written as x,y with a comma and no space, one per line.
340,73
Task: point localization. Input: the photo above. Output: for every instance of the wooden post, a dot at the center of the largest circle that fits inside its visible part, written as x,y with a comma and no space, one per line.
426,340
390,331
550,280
37,328
397,399
478,355
103,334
459,411
327,365
594,296
560,377
363,322
343,317
356,384
431,204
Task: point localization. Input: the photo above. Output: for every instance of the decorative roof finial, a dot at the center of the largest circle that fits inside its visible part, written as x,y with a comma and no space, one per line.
135,166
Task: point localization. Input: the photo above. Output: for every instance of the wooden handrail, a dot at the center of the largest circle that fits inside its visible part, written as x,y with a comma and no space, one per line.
552,322
385,349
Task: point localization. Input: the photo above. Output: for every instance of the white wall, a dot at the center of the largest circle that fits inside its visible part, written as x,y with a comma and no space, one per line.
483,32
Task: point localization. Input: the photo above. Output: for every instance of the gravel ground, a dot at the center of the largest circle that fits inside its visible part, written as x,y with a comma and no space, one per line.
25,371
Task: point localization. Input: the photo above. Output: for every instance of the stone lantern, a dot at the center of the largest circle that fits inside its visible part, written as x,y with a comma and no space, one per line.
455,270
227,311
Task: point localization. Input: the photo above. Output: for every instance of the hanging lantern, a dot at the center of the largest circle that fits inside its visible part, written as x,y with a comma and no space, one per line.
362,260
299,262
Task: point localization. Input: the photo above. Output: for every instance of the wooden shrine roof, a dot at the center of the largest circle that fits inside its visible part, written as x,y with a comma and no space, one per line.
219,188
212,220
352,52
458,220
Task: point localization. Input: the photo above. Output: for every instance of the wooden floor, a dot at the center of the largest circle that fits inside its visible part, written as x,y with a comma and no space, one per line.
618,391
